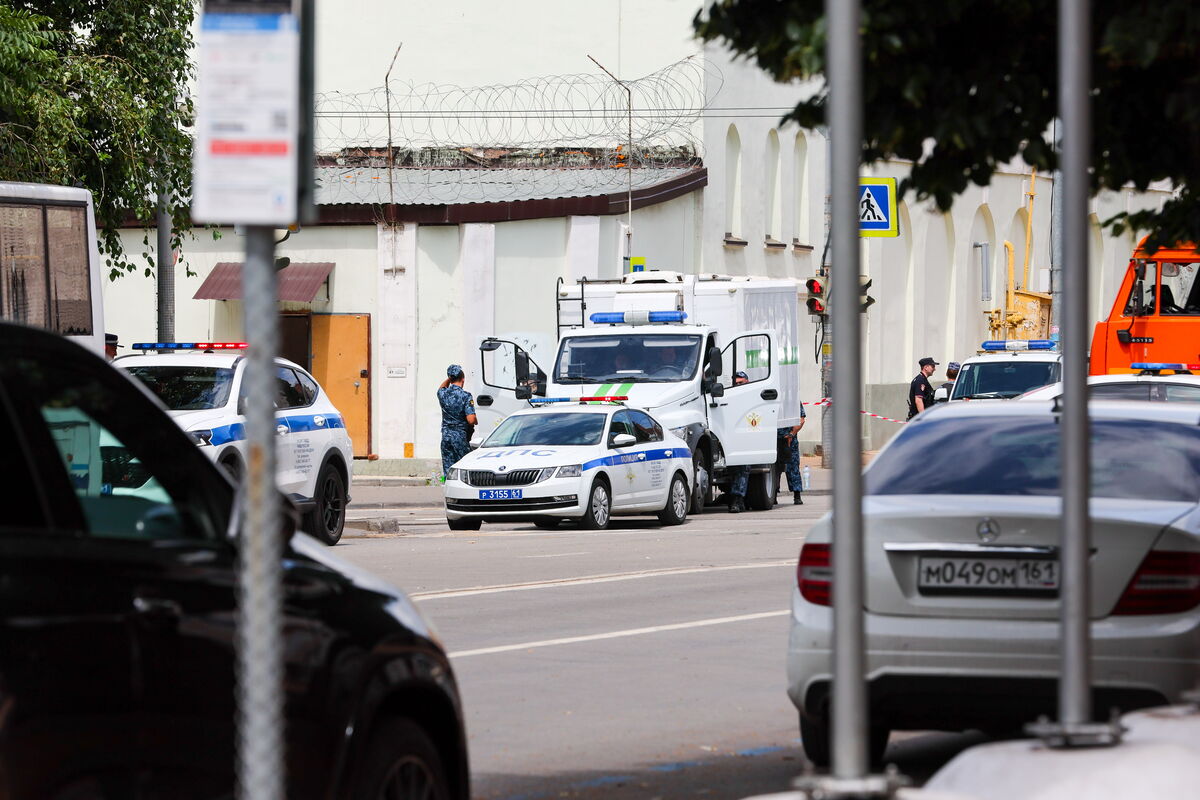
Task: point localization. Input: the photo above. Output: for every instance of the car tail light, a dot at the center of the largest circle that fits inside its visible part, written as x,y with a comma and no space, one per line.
1167,582
814,575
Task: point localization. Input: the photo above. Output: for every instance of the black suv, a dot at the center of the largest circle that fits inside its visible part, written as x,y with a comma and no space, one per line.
118,607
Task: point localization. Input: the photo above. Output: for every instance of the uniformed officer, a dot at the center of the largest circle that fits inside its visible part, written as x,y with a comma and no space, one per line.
790,444
920,393
111,343
740,475
458,417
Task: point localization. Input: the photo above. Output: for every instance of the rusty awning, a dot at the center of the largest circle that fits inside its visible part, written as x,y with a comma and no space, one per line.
298,283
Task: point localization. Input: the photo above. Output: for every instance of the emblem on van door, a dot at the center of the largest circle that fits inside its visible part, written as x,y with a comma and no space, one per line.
988,530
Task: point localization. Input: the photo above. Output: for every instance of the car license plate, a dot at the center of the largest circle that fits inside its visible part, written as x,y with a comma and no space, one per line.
969,575
499,494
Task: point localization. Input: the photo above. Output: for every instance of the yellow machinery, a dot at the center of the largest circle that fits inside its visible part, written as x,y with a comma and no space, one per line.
1026,313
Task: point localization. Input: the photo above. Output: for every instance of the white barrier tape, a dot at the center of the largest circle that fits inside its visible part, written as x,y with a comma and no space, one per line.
825,401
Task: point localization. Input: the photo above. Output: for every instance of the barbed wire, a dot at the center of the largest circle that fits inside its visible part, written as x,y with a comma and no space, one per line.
461,136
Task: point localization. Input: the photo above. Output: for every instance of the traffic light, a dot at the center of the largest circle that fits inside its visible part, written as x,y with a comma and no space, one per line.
864,300
816,296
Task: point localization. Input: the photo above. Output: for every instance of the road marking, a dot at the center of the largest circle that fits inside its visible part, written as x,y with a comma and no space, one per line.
558,555
586,579
679,626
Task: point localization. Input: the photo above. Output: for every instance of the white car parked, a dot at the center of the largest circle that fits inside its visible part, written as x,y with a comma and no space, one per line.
1155,388
201,386
571,459
961,521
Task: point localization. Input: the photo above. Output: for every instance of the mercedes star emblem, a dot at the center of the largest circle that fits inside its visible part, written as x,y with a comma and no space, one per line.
988,530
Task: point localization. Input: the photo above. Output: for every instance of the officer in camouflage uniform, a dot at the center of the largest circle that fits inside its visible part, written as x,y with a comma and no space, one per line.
458,417
789,445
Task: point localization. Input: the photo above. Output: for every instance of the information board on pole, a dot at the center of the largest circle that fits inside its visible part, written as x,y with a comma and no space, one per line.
247,114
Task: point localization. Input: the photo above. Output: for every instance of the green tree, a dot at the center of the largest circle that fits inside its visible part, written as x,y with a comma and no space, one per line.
978,79
94,93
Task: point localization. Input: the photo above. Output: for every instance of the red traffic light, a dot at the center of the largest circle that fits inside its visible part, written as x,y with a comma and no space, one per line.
815,306
815,285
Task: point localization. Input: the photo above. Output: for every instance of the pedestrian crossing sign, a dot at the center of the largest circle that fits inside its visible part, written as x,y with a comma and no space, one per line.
877,207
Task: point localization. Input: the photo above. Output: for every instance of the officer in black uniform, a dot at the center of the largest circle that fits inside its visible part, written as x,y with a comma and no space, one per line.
920,393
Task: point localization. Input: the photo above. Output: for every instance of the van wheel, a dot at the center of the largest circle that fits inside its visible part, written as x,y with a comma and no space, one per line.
760,494
401,762
675,511
702,490
599,508
465,524
328,516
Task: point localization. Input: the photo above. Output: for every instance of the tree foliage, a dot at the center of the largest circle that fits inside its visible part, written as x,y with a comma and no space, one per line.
94,93
959,87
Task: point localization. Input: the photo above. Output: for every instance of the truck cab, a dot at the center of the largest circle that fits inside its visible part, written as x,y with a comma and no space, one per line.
1155,317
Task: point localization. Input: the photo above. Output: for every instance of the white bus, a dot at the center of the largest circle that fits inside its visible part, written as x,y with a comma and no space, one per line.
50,261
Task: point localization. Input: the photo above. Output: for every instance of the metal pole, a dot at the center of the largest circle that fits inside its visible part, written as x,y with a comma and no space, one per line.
260,665
826,328
843,56
1056,253
1074,702
166,272
628,165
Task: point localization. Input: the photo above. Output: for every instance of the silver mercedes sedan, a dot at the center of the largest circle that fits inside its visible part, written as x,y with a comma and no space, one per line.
962,516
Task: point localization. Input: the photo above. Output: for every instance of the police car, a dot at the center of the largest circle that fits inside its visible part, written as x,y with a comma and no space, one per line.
584,459
201,384
1007,369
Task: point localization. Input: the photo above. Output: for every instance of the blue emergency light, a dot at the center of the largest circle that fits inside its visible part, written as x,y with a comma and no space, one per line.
540,400
1018,344
636,317
189,345
1151,365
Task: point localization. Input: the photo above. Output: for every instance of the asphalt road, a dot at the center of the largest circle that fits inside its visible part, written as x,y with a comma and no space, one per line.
638,662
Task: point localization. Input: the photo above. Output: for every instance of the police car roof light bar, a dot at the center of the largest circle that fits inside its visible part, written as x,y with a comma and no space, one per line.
1019,344
1154,367
190,345
610,398
636,317
540,400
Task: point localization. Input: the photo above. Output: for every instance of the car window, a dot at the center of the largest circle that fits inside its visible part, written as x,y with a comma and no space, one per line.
1133,458
289,392
645,428
1180,393
308,385
1120,391
564,429
621,423
186,388
1003,379
114,451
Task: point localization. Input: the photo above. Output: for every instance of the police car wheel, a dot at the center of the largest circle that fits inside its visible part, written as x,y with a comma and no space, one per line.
328,516
675,511
599,508
233,468
464,524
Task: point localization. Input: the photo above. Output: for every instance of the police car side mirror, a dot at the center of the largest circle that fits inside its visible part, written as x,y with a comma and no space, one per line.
622,440
523,393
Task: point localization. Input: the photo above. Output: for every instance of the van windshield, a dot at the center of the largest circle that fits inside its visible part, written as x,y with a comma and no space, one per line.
1002,379
628,358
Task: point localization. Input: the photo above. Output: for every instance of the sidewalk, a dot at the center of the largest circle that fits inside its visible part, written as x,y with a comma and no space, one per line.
379,503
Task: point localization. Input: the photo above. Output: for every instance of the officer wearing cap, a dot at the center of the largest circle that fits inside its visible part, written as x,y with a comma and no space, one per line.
942,393
920,393
111,343
740,475
458,417
788,447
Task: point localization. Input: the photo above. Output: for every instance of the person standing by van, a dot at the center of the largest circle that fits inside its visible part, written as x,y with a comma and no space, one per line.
458,417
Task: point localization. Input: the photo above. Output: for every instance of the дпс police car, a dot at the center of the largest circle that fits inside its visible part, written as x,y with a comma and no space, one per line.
1007,369
571,458
201,385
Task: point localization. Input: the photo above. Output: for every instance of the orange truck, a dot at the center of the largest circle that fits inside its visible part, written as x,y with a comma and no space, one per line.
1155,318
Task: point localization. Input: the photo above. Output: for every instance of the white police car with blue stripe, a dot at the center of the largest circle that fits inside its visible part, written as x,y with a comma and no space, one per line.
201,385
584,459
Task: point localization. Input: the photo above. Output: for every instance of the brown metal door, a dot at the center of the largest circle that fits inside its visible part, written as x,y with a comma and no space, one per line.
341,363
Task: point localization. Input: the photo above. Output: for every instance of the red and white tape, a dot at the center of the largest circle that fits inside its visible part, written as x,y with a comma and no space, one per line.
824,401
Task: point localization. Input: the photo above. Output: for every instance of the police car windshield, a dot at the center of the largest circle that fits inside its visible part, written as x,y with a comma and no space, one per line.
186,388
1132,459
628,358
1001,380
563,429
